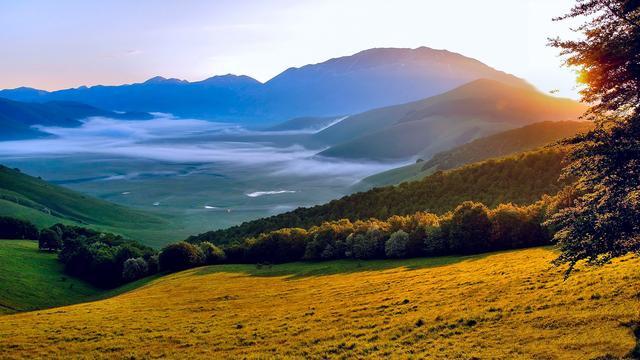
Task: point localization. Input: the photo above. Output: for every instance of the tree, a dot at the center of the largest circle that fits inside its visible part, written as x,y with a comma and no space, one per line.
134,269
12,228
49,240
604,220
212,254
179,256
396,246
469,228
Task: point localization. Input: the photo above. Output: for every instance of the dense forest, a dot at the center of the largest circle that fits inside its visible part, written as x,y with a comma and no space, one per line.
520,179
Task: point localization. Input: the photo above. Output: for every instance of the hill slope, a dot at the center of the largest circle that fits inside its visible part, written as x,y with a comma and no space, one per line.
515,305
17,118
345,85
44,204
502,144
521,179
422,128
33,279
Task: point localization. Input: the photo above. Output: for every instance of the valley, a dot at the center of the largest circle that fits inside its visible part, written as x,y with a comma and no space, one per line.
307,180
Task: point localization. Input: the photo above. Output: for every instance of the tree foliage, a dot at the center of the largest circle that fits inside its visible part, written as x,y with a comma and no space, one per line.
520,179
12,228
471,228
604,219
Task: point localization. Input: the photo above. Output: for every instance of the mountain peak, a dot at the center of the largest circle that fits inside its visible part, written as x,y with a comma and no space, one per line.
229,79
163,80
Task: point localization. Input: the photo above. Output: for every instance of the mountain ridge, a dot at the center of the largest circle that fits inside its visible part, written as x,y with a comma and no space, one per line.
343,85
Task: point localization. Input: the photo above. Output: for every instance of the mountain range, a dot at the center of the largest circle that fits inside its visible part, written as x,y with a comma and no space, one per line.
346,85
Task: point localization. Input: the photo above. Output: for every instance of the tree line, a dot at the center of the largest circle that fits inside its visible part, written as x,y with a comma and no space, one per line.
520,179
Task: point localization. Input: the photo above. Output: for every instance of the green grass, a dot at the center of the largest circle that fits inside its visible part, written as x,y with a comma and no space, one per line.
44,204
297,270
32,279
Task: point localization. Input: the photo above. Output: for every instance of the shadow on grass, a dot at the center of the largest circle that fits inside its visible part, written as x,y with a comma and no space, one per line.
297,270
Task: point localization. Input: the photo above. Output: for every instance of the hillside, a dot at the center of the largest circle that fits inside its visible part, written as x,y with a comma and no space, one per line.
515,305
520,179
502,144
45,204
423,128
309,124
17,118
33,279
345,85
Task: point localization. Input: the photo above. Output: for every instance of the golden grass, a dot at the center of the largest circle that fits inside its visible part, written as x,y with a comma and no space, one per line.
510,305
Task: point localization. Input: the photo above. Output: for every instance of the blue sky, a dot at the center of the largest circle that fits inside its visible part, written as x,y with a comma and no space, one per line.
69,43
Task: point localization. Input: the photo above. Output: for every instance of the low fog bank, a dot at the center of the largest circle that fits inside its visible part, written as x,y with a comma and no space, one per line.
169,139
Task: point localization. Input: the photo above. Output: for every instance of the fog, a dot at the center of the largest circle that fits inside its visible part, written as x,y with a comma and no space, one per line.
169,139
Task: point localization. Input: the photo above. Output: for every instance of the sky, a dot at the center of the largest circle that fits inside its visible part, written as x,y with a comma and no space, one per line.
68,43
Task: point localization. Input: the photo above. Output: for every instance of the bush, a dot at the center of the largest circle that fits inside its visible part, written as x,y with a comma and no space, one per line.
179,256
212,254
49,240
96,257
277,246
134,269
11,228
469,228
153,264
396,246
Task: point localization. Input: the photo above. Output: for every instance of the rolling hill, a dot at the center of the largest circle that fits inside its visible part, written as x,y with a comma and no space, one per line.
33,279
345,85
520,179
45,204
423,128
494,306
18,118
502,144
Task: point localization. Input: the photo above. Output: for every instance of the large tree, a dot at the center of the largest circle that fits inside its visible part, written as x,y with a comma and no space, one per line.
604,221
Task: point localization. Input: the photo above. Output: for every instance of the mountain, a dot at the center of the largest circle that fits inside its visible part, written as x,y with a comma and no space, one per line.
44,204
17,118
502,144
345,85
423,128
519,179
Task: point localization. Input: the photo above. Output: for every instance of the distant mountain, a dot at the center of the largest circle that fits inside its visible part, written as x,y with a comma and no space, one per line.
345,85
17,118
502,144
423,128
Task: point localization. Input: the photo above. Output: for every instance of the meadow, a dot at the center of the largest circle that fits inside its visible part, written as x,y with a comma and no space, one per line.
511,304
33,279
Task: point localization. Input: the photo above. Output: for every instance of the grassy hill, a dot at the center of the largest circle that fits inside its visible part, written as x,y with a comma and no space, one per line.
503,305
45,204
502,144
423,128
520,179
33,279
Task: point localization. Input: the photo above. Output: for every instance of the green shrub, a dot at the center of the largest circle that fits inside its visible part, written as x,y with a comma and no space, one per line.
396,246
180,256
134,269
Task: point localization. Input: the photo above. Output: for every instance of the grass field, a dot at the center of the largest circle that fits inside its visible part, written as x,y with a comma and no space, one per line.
503,305
32,279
